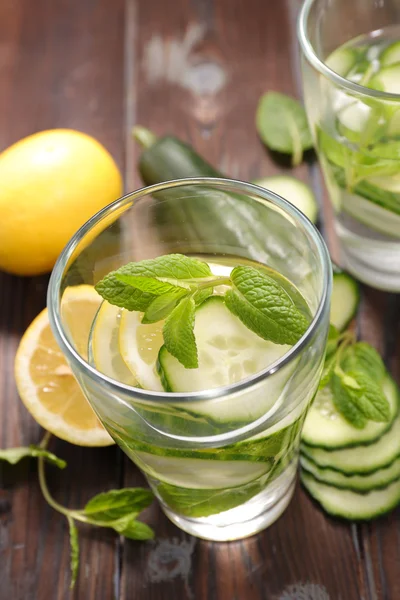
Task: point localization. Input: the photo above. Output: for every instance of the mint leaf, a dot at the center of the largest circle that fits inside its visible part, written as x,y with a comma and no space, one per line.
122,295
74,550
264,306
363,357
112,505
172,266
163,305
344,403
147,284
369,397
282,125
202,295
179,335
14,455
130,528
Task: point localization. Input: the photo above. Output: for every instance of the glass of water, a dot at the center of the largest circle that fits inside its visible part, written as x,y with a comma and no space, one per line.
221,459
351,76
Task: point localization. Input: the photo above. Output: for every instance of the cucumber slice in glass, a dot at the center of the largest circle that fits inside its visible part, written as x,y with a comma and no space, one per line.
228,352
370,210
351,505
343,60
358,483
390,55
325,427
360,459
387,79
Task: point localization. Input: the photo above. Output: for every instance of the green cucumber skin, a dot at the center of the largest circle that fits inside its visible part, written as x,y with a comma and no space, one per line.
170,158
322,474
338,511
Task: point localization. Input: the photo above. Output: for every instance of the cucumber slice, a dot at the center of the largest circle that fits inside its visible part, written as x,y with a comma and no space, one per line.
357,483
343,60
360,459
104,348
344,300
139,346
351,505
228,352
325,427
352,120
390,55
370,211
200,474
387,79
295,191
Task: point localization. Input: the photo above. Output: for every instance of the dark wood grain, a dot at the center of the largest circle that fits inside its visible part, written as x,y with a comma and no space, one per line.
195,69
61,65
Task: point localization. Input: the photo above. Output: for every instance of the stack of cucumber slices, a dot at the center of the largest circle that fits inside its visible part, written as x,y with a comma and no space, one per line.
353,473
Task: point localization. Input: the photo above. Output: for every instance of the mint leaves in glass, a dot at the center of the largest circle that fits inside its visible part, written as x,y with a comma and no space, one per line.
206,352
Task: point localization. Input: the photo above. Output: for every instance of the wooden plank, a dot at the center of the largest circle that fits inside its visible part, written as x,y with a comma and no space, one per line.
199,70
60,66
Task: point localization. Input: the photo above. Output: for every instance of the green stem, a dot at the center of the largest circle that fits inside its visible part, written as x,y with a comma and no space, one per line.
143,136
67,512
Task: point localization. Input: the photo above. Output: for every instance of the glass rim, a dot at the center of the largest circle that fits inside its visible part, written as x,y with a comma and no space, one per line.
323,68
139,394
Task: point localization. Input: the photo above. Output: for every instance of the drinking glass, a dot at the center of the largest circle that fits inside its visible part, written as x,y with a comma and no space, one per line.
222,462
356,129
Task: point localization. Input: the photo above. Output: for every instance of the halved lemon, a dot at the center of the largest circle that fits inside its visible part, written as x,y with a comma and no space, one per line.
45,381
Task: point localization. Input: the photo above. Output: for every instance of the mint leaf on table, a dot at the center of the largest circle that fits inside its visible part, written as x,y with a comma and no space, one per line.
282,125
363,357
163,305
130,528
345,404
74,551
112,505
14,455
265,307
179,335
367,396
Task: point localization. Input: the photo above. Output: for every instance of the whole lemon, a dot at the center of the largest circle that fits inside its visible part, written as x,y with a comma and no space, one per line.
50,184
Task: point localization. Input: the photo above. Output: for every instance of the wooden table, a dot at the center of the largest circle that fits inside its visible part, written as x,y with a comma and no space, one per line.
195,68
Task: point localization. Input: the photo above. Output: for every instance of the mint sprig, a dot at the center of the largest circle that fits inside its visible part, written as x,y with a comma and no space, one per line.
354,371
170,287
115,509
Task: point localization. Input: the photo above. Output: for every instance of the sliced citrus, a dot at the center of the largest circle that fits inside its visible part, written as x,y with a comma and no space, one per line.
139,347
45,381
105,354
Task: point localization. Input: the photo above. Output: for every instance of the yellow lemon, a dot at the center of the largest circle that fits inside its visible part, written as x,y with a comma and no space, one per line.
51,183
45,381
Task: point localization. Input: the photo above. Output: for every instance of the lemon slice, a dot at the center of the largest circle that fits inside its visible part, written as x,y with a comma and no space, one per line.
139,346
45,381
105,354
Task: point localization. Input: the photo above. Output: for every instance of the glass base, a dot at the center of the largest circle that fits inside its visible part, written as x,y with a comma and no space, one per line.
245,520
